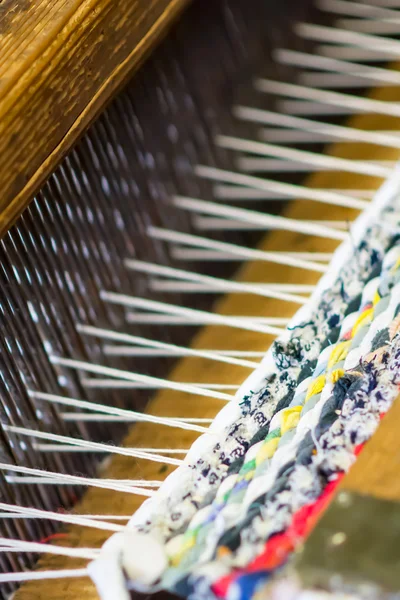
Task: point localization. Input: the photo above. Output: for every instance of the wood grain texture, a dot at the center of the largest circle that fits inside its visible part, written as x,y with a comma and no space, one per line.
60,62
167,403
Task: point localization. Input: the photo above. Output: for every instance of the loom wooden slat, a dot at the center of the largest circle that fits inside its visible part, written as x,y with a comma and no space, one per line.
167,403
60,62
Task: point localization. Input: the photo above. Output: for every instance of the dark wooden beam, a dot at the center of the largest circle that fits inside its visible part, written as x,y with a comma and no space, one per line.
60,62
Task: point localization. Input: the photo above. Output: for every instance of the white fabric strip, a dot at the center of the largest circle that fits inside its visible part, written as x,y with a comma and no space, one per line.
241,252
71,519
137,377
76,480
108,448
42,575
106,334
131,416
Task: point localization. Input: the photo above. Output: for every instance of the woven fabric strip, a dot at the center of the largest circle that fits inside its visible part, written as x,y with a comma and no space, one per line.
251,488
367,400
213,454
330,447
216,454
268,462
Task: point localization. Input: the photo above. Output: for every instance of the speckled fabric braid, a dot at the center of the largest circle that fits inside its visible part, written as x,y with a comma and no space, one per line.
346,418
227,521
220,523
221,452
372,387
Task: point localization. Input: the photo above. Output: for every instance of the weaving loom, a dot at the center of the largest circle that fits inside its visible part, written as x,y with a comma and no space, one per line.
199,306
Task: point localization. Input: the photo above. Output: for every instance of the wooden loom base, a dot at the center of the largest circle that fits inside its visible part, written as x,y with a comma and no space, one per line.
167,403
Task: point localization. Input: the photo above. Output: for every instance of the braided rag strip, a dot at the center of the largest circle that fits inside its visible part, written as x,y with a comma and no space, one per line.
251,489
317,461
